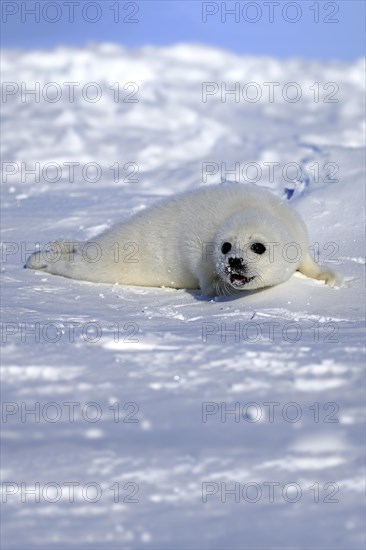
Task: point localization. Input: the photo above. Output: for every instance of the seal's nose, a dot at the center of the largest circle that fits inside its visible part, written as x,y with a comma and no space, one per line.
236,263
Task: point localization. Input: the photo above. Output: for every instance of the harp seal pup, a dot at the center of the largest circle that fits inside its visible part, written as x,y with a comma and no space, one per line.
219,238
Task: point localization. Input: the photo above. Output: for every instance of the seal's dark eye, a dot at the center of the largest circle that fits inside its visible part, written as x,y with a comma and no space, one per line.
226,247
258,248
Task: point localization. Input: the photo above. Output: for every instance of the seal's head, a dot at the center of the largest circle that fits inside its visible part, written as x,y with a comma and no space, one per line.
249,252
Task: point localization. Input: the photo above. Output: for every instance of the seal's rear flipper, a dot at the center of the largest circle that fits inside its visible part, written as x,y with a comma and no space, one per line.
36,261
51,256
311,269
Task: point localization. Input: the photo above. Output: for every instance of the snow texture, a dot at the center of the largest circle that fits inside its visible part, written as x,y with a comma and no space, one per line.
163,354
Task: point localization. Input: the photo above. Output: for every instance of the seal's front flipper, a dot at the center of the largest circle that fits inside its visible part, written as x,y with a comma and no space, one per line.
311,269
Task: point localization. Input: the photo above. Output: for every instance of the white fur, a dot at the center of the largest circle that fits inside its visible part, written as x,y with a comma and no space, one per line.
177,243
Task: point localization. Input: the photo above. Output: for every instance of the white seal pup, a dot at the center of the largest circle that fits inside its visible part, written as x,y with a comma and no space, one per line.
218,238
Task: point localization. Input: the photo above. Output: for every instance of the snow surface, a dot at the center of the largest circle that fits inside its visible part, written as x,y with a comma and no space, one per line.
170,353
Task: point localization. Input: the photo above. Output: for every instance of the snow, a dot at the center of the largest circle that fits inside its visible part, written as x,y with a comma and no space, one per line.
163,392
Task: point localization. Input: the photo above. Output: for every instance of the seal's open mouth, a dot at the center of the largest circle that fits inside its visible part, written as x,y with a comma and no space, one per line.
239,280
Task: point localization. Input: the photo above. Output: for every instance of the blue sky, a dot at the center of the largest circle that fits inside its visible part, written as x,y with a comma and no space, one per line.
309,29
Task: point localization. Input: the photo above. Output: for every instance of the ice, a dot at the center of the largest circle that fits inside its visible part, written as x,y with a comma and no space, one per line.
159,360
